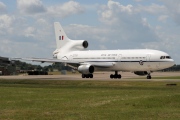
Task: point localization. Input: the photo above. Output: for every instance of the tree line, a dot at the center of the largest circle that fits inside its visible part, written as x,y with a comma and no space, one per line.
27,66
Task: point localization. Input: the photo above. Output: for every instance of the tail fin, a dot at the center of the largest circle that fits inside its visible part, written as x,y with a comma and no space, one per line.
61,37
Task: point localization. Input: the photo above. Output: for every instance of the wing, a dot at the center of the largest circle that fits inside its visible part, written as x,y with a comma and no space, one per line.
42,60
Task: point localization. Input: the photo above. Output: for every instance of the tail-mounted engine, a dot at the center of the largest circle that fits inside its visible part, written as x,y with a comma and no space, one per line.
71,45
78,45
86,69
85,44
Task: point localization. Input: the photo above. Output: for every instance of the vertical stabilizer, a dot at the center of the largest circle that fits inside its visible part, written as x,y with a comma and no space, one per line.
61,37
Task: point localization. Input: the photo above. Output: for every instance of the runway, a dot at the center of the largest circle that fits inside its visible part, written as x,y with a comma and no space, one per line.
101,76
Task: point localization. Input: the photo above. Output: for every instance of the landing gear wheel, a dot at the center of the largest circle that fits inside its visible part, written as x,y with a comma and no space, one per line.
149,77
87,75
111,76
83,75
115,76
119,76
91,75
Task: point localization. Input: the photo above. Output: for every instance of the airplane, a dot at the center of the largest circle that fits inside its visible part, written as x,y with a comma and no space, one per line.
74,53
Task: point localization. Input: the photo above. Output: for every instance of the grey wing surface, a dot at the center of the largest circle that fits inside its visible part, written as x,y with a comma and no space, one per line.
42,60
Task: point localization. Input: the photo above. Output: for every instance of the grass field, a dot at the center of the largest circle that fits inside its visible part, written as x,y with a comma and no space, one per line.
88,100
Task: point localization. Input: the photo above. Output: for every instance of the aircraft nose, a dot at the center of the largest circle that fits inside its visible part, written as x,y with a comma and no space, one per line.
172,63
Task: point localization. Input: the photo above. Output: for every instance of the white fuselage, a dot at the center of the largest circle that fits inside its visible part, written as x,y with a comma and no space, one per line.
74,53
121,60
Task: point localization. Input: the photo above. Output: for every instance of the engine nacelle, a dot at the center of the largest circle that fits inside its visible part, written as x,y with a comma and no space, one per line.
78,45
85,44
141,73
86,69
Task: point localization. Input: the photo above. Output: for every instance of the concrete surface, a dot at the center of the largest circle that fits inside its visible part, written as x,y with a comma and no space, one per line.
102,76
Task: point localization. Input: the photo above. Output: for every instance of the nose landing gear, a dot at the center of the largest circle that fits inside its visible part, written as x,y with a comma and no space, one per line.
115,76
149,76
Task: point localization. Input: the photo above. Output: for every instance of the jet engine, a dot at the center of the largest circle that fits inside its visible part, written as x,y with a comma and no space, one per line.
85,44
141,73
86,69
78,45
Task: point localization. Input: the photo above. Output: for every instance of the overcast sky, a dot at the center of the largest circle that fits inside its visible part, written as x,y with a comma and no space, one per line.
26,26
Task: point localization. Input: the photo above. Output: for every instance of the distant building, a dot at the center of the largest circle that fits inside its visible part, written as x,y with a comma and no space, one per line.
6,67
4,61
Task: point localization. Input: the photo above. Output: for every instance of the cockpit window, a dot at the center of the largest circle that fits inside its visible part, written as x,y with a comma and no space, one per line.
168,57
165,57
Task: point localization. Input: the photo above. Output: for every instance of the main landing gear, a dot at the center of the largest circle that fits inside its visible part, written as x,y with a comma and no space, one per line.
115,76
87,75
149,76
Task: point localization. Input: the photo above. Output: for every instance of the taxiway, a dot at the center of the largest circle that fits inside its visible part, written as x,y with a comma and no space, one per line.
102,76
